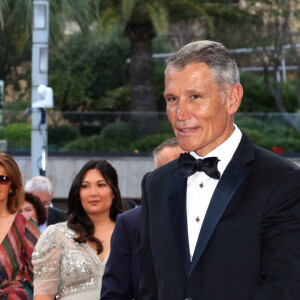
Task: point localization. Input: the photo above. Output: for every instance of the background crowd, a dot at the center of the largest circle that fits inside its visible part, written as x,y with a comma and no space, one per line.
57,252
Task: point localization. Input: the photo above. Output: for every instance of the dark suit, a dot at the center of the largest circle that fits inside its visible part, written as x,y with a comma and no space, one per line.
249,243
121,276
55,215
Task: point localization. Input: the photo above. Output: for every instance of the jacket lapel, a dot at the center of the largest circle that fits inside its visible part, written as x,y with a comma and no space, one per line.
233,176
177,208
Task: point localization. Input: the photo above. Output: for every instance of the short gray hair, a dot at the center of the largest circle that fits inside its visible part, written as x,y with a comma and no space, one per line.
39,184
215,55
172,142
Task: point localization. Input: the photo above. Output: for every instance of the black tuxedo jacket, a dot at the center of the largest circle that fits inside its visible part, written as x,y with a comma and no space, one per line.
249,243
121,276
55,215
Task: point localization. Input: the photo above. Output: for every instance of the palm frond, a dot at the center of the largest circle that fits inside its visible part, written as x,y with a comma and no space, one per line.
158,16
21,14
205,15
110,23
3,9
127,8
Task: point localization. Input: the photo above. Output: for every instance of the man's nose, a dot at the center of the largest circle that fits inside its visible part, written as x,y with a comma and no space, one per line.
182,111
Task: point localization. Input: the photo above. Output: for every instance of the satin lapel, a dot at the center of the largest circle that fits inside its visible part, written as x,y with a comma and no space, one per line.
233,176
177,208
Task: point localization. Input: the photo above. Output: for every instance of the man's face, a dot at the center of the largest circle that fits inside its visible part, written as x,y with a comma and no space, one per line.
45,198
167,154
201,119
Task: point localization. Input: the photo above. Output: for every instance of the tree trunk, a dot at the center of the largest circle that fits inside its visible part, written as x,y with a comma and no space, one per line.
144,109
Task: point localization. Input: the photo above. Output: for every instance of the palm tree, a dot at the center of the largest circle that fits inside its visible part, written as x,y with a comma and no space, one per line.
16,29
142,21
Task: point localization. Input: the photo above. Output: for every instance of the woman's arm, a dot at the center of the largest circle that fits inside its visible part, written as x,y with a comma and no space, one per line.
46,263
31,236
44,297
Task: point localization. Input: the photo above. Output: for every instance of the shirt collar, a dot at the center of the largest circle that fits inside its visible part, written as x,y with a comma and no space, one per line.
225,151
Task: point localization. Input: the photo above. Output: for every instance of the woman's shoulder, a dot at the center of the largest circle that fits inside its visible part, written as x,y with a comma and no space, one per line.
59,231
22,222
20,219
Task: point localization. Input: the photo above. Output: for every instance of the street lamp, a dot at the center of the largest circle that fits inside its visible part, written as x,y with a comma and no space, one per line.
39,137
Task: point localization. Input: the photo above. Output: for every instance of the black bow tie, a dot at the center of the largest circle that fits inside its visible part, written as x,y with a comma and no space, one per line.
188,165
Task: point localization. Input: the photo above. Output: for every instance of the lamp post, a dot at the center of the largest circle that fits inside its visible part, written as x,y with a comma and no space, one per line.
40,36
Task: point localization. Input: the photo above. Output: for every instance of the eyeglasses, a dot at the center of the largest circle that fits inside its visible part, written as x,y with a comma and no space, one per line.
4,179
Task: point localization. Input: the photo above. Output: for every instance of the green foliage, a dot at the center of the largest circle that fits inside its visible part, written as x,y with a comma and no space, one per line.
91,143
116,136
84,72
232,26
113,137
119,137
289,94
70,89
266,130
17,105
269,132
257,97
148,143
160,45
14,111
159,77
165,127
62,135
16,33
118,99
17,135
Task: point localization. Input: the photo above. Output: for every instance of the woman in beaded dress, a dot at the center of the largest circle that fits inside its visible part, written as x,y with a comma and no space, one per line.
70,257
18,235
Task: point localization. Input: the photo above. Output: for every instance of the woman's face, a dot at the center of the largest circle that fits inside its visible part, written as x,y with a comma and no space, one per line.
5,186
95,193
28,210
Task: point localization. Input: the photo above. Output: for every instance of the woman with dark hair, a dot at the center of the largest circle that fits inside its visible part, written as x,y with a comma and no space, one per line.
33,208
70,257
18,235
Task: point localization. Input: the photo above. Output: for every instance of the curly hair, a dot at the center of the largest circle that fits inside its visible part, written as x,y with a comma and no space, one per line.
38,206
78,220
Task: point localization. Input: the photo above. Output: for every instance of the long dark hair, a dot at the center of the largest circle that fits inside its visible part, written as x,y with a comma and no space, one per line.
78,220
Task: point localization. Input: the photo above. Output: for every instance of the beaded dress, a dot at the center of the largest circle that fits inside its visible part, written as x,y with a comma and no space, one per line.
63,267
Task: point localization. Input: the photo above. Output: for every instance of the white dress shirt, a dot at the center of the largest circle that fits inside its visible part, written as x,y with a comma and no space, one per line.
201,187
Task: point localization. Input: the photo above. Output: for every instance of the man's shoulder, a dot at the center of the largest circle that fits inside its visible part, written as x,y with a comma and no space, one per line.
164,170
274,160
57,211
56,215
265,159
131,214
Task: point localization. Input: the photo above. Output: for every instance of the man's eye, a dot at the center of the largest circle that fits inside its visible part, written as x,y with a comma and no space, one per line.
195,96
171,99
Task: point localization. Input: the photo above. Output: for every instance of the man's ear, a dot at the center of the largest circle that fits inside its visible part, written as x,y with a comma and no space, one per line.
234,98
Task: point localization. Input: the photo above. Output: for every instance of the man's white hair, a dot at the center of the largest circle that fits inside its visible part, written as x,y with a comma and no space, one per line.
39,184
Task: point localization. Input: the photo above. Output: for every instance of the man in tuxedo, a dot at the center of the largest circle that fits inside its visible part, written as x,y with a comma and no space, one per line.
41,187
121,277
223,221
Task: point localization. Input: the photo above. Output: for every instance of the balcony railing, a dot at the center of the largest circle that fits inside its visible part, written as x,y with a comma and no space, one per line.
130,132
